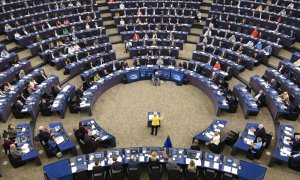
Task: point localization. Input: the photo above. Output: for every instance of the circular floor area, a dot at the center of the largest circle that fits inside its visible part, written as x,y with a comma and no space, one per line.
122,111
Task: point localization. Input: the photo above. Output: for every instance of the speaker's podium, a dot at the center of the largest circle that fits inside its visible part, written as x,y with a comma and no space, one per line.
150,116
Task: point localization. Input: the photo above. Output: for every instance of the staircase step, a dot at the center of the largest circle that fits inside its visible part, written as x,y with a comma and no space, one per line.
115,39
193,38
108,22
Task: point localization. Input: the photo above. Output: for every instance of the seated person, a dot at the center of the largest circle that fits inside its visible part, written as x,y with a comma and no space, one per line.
217,65
30,89
81,131
11,131
133,163
56,89
295,142
90,142
172,166
125,65
79,92
153,160
19,106
7,141
116,166
274,85
213,77
98,169
258,45
195,145
4,53
97,77
215,140
7,87
53,146
191,166
285,96
255,147
255,32
14,152
268,49
183,65
87,84
160,61
260,131
136,36
136,63
45,105
259,98
294,161
44,134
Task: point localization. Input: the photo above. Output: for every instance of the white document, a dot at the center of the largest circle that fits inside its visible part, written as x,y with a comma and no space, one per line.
187,161
142,159
234,170
119,159
73,169
227,168
90,166
197,162
206,163
59,139
216,165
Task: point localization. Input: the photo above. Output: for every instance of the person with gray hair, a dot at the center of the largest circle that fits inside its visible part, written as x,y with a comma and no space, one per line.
133,163
172,166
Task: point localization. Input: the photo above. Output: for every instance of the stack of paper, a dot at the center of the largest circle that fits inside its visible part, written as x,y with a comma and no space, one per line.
59,139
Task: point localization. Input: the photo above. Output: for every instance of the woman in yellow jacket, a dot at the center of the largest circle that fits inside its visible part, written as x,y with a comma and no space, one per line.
155,122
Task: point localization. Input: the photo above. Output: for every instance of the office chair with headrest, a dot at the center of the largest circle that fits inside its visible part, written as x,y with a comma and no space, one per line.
217,149
155,172
227,176
174,174
99,174
210,174
133,173
116,174
231,138
192,175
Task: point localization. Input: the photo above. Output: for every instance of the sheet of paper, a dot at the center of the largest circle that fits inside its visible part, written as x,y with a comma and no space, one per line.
197,162
90,166
73,169
227,168
206,163
187,161
234,170
141,158
216,165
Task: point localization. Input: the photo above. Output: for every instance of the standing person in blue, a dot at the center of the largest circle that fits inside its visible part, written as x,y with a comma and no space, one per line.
155,123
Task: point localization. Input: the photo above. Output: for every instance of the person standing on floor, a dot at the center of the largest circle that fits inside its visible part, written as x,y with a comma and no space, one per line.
155,122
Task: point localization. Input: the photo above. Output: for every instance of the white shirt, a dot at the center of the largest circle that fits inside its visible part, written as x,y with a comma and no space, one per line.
122,6
216,140
4,54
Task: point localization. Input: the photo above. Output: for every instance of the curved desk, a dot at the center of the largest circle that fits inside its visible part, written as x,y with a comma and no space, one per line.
65,169
275,105
145,72
246,101
208,134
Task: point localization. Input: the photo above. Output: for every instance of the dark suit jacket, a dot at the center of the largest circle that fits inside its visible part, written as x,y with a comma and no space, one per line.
98,169
116,166
19,107
133,164
79,93
44,135
153,163
260,132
